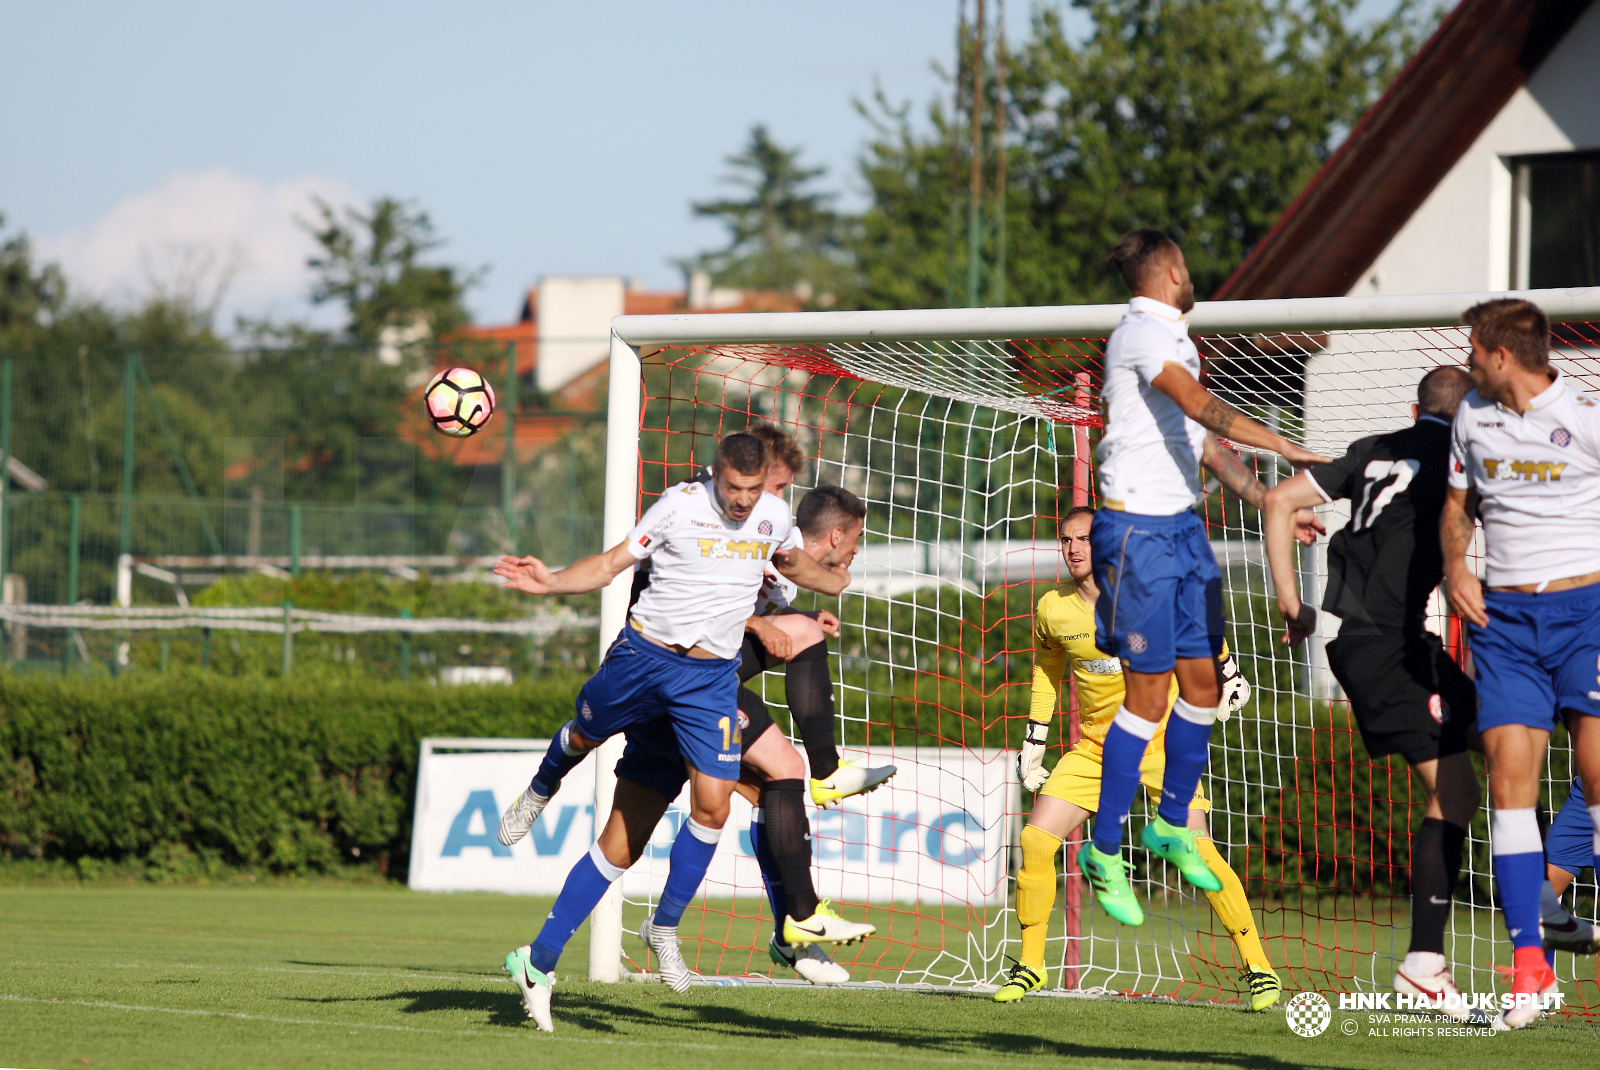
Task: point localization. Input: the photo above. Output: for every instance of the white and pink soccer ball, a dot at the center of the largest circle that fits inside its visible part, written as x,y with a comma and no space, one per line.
459,402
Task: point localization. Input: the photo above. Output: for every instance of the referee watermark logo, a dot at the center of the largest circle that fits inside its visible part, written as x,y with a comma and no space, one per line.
1308,1014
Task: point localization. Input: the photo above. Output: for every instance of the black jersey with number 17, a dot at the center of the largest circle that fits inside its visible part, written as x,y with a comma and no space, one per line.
1385,563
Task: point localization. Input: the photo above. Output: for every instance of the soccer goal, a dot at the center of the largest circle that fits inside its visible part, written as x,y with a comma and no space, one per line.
969,432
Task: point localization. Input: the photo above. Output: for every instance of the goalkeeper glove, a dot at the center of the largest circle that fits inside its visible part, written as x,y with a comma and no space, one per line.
1235,688
1030,760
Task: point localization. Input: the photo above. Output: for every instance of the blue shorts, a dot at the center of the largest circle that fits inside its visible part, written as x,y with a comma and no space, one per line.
1160,589
652,758
1570,843
640,682
1539,655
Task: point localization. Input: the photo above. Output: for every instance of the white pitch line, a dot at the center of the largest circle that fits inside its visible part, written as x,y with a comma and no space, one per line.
536,1038
330,970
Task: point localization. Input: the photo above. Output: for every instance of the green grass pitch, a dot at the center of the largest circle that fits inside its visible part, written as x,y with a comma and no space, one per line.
122,975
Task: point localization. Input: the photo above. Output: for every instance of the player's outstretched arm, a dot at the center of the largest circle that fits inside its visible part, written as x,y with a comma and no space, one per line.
1220,418
1461,584
803,569
1283,503
1232,473
532,576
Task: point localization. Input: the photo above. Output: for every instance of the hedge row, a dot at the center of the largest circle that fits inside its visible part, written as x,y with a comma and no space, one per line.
290,774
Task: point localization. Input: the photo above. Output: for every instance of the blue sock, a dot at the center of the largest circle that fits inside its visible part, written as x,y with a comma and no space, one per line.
559,760
586,884
691,857
769,875
1518,873
1124,749
1188,746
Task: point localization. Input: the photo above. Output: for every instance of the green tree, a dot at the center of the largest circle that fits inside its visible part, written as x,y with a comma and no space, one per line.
29,294
782,232
370,262
1200,117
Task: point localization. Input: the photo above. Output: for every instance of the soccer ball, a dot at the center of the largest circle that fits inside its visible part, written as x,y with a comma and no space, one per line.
459,402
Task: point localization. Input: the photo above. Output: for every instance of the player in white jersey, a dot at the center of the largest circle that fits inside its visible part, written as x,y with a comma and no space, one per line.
1525,457
1161,603
668,683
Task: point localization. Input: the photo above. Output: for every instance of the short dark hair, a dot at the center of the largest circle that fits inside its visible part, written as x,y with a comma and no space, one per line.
1441,390
1140,252
744,453
1073,513
781,446
1520,326
828,507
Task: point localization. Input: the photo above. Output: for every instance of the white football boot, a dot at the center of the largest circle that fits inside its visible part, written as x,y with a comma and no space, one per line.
1435,986
1533,989
535,988
825,927
669,959
847,780
520,815
809,961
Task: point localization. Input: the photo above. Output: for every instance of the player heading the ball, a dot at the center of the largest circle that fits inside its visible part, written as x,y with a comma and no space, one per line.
1160,605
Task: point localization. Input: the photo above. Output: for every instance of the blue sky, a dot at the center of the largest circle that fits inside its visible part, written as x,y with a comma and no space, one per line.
166,141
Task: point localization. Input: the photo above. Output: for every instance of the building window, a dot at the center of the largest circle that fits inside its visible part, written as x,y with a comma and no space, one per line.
1556,221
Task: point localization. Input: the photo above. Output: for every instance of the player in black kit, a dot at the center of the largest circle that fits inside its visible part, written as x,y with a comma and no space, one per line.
1406,693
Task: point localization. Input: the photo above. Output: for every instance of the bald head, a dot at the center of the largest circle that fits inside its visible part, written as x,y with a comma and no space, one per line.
1441,390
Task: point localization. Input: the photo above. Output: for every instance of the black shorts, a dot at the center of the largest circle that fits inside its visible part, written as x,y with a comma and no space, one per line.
1408,696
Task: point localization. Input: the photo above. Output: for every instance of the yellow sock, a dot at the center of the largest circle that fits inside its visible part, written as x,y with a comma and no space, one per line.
1232,907
1036,892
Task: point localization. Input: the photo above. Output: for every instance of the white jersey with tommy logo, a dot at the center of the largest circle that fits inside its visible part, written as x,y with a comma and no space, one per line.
1538,481
776,595
1150,452
705,569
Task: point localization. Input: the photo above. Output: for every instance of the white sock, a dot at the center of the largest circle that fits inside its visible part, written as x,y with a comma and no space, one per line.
1424,963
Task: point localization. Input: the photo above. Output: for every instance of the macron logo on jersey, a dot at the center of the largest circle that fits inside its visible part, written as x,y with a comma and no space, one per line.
1526,470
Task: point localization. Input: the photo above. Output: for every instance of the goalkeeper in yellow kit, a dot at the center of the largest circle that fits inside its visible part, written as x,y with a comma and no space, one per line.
1063,634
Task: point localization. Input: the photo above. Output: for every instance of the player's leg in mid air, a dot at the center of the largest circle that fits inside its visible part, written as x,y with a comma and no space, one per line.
636,810
1159,609
808,690
785,834
1569,849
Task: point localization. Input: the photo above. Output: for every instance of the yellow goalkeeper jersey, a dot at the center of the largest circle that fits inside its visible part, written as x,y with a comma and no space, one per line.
1063,631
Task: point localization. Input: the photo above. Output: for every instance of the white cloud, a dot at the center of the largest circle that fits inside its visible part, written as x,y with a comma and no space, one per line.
196,230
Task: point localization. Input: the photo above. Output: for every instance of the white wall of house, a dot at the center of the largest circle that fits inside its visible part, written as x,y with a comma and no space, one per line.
575,325
1460,239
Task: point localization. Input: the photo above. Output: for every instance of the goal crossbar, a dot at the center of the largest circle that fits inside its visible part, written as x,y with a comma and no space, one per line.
1067,321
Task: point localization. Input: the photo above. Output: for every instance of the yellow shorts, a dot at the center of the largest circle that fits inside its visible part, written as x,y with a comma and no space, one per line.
1076,778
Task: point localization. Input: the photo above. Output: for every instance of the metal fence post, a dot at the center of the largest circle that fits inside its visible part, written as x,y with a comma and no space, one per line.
508,463
294,540
405,648
131,366
5,466
288,638
74,551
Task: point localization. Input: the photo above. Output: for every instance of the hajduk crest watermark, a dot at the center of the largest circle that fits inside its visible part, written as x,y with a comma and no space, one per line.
1309,1014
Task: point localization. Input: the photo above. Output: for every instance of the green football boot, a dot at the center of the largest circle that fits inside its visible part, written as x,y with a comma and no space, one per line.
1108,876
1176,845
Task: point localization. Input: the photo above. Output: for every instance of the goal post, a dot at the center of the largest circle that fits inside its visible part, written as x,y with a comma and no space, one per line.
969,432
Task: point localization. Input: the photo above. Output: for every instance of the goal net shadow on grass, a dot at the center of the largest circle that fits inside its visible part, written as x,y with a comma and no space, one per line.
966,454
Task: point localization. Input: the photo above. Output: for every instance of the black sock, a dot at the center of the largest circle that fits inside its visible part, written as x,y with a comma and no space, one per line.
1431,879
788,836
810,696
1455,838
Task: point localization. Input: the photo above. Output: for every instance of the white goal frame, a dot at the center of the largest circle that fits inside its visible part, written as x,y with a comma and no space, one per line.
635,336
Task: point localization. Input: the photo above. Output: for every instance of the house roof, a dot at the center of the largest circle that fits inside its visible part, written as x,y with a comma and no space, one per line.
1454,86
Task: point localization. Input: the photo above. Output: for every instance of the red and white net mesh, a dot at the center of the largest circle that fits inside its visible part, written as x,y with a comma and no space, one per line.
966,454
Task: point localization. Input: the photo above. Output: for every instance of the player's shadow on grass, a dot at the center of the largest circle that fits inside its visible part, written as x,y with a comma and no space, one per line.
503,1008
734,1023
388,966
